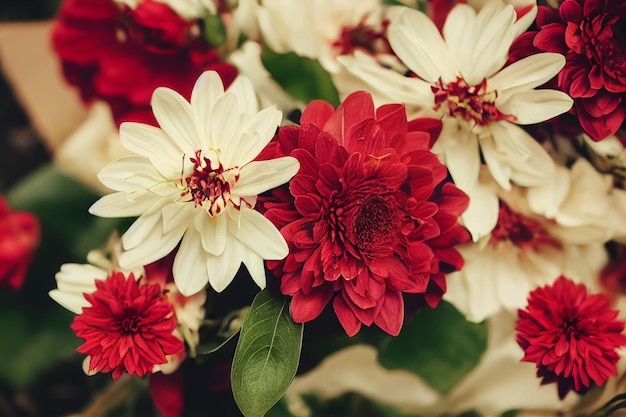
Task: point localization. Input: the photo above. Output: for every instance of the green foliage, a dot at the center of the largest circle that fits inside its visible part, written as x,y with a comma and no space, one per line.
439,345
303,78
32,342
267,355
349,405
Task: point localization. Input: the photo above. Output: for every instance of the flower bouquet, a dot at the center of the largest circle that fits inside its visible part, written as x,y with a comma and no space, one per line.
324,207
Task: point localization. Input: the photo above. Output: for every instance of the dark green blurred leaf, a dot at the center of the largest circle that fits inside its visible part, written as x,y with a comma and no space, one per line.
267,355
303,78
61,205
33,342
349,405
439,345
214,30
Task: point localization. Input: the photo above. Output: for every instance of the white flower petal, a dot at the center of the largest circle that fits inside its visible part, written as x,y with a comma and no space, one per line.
156,246
256,133
73,281
458,33
536,106
222,269
175,117
225,122
481,215
130,173
493,25
417,42
497,165
149,141
144,226
212,231
546,199
525,74
189,269
258,234
461,157
123,204
525,21
177,215
247,101
256,268
207,89
260,176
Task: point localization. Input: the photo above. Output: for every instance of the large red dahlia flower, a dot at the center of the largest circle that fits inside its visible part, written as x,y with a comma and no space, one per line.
120,55
369,216
128,328
591,35
571,335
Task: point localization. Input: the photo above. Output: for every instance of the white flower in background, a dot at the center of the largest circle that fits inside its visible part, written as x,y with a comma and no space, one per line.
500,382
320,29
559,228
195,180
461,78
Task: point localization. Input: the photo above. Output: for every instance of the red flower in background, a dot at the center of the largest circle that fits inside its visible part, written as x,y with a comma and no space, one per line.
370,215
120,55
19,237
128,328
591,34
571,335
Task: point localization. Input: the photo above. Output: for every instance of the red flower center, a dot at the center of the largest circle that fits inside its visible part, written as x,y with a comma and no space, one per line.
209,187
519,230
130,321
472,103
361,37
375,227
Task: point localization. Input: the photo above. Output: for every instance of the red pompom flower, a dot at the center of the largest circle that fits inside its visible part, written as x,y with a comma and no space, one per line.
571,335
120,55
19,237
590,34
128,328
369,216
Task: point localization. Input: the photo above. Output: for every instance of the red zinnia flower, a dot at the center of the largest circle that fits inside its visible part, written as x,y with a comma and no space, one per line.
590,34
120,55
370,215
19,237
571,335
128,328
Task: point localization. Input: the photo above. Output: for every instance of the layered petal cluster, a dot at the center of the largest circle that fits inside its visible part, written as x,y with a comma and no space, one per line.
460,76
127,328
541,233
369,216
19,238
571,335
77,284
591,36
120,54
194,181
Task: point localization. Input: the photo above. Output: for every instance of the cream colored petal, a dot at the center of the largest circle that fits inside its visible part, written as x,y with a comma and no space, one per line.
546,199
222,269
130,173
156,246
213,232
152,143
530,107
260,176
525,74
176,118
256,268
256,133
462,155
189,269
225,122
417,42
247,101
123,204
258,234
481,215
74,280
458,31
177,215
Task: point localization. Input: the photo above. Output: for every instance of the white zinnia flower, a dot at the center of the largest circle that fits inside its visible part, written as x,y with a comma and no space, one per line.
461,78
195,179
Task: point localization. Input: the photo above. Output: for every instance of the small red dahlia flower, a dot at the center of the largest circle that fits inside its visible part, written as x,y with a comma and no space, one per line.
369,216
128,328
19,238
590,34
571,335
120,55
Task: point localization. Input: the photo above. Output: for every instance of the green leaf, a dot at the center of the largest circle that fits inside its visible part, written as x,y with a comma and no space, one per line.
303,78
32,342
439,345
267,355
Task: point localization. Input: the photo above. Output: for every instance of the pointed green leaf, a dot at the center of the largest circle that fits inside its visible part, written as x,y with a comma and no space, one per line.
267,355
439,345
